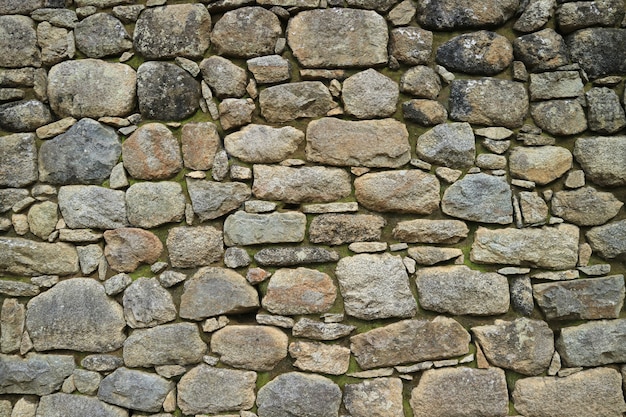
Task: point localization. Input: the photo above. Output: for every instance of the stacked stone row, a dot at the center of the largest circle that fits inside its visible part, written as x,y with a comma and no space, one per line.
312,208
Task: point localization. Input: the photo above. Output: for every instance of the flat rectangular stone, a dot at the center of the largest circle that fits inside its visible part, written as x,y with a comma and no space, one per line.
557,84
557,275
17,288
350,207
244,228
79,235
608,347
26,257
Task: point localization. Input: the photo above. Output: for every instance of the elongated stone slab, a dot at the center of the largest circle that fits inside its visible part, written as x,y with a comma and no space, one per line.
26,257
244,228
36,374
607,347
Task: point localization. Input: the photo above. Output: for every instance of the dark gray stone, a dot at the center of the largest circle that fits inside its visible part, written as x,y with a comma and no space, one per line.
540,51
291,256
459,14
101,35
133,389
35,374
482,52
604,111
598,51
147,304
337,229
18,42
67,405
609,241
24,116
411,45
559,117
575,347
571,16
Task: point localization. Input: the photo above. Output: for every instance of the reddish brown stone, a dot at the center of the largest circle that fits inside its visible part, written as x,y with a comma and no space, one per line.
127,248
152,153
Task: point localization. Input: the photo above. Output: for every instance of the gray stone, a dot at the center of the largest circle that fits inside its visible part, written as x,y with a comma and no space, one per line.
101,362
459,290
246,32
117,283
170,278
67,405
299,291
24,116
548,247
602,159
151,204
101,35
152,152
225,78
428,255
587,393
480,198
300,185
299,394
424,112
410,341
448,144
12,319
576,350
215,291
421,81
536,14
89,257
257,348
379,397
557,84
35,374
578,15
18,288
244,228
540,164
25,257
10,196
25,407
76,314
368,297
522,295
169,344
482,52
609,240
597,51
378,5
291,101
190,247
337,229
85,154
91,88
263,144
353,38
596,298
288,256
200,144
18,42
20,7
411,45
559,117
316,330
540,51
604,112
369,143
42,219
462,392
147,304
18,166
172,31
90,206
320,357
269,69
127,248
205,389
166,92
534,208
585,206
236,258
457,14
58,17
57,44
86,382
430,231
133,389
369,94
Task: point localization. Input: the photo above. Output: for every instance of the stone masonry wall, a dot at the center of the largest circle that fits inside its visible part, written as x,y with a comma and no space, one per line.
312,208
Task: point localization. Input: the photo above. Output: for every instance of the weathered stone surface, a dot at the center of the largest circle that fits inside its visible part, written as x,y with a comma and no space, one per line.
285,102
101,35
463,392
244,228
10,196
604,111
25,257
205,389
540,164
76,314
317,330
410,341
190,247
480,198
430,231
171,31
34,374
523,345
20,7
585,206
602,159
375,286
337,229
133,389
548,247
24,116
42,219
90,206
85,154
586,393
596,298
18,288
428,255
12,319
169,344
411,45
421,81
18,42
151,153
534,208
246,32
91,88
127,248
559,117
215,291
67,405
459,290
424,112
151,204
257,348
597,50
234,113
320,357
263,144
536,14
200,143
269,69
166,92
299,394
448,144
301,255
299,291
147,304
609,240
353,38
482,52
489,101
369,94
225,78
211,200
459,14
557,84
379,397
370,143
57,44
18,163
398,191
576,350
101,362
540,51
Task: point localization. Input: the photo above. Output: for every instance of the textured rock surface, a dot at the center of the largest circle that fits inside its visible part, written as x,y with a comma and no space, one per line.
263,144
375,398
151,204
573,344
211,200
190,247
596,50
19,160
320,357
24,257
585,206
602,159
90,206
147,304
299,291
246,32
541,165
482,52
257,348
559,117
101,35
285,102
250,229
67,405
430,231
35,374
133,389
369,94
127,248
609,240
448,144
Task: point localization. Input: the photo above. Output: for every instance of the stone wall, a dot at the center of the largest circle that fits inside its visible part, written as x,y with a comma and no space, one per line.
312,208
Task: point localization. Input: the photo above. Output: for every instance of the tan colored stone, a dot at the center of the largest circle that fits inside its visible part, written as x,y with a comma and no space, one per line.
127,248
320,357
257,348
430,231
200,143
299,291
